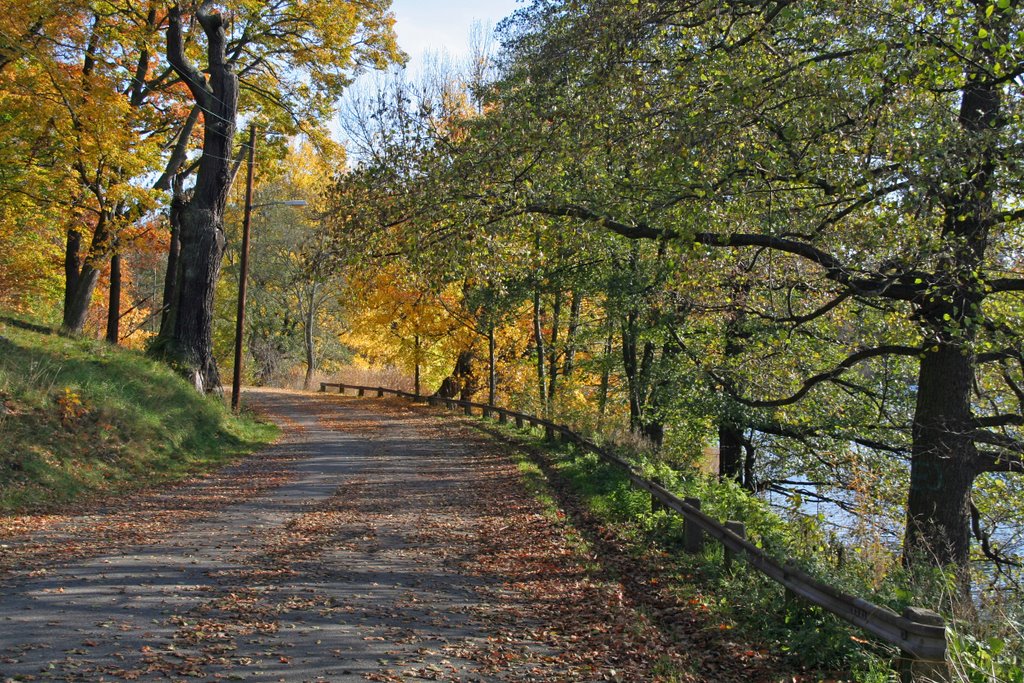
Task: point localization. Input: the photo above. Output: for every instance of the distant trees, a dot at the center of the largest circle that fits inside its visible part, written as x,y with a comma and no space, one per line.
297,296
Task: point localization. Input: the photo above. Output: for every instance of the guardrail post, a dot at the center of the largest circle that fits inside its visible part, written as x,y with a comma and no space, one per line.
502,417
656,504
468,410
693,535
790,596
380,393
549,433
362,392
519,422
740,529
914,670
341,388
323,387
791,599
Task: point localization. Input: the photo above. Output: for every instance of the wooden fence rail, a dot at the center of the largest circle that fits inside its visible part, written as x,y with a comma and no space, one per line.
919,633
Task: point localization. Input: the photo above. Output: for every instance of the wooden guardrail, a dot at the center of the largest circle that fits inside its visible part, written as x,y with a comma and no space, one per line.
919,633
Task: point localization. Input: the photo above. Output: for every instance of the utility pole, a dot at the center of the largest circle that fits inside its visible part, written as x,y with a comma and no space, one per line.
236,384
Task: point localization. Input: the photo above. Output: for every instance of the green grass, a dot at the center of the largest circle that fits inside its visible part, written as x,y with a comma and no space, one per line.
81,419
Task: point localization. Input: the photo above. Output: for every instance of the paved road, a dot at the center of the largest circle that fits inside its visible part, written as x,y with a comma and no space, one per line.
325,578
391,546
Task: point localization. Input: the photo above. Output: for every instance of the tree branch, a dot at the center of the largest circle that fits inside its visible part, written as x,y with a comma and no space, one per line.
1007,284
903,289
195,80
984,538
178,156
849,362
999,421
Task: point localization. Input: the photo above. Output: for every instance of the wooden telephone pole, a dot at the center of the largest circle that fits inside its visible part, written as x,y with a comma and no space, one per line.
236,384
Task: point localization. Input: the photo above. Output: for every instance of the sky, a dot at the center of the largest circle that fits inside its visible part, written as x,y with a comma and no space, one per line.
443,25
433,27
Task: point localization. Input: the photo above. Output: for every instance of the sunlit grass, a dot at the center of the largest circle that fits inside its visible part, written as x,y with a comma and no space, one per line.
81,418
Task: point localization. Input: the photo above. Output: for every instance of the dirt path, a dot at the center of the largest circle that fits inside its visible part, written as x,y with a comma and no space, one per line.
386,546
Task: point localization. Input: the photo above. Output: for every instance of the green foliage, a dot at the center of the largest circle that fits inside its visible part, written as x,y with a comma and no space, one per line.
825,232
993,659
81,418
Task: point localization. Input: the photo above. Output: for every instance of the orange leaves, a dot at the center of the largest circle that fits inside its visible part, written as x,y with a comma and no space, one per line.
71,407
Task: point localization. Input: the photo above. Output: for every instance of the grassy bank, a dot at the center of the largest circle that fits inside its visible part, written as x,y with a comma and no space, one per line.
80,419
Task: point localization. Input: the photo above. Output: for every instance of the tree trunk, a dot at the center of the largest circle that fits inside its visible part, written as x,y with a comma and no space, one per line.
77,308
943,466
556,322
81,283
637,365
310,339
736,459
202,247
202,215
78,299
461,381
416,351
114,302
945,459
538,337
658,393
173,263
731,461
749,482
575,309
492,378
630,366
72,268
730,452
606,371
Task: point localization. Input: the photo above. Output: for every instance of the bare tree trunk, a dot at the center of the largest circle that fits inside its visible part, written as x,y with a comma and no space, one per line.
730,452
78,300
310,338
173,264
461,381
943,466
492,381
556,322
78,306
173,179
945,459
538,336
80,282
416,351
731,461
114,303
202,215
72,268
606,370
202,246
631,366
575,309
